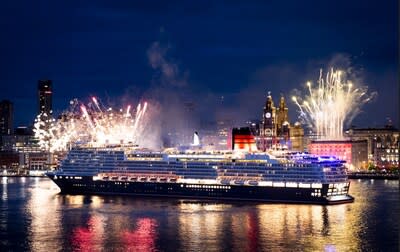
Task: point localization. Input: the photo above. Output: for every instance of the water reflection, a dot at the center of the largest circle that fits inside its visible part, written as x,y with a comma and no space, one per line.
51,221
4,189
44,216
252,233
265,226
142,238
89,237
200,225
117,232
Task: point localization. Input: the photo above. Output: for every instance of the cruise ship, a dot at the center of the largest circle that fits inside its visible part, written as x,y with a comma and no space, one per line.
269,177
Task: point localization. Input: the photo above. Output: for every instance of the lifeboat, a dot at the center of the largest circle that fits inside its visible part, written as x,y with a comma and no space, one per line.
253,182
225,182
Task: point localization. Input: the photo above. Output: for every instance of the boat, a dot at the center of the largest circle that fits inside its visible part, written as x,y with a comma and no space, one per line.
267,177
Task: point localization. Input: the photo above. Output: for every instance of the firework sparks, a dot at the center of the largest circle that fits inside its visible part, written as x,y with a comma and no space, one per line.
90,124
331,104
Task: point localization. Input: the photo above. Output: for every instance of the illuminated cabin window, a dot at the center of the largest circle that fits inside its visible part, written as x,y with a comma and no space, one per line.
304,185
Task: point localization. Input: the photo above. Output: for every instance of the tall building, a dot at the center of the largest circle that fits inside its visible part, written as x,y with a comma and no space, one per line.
45,97
267,131
6,117
282,120
268,117
275,130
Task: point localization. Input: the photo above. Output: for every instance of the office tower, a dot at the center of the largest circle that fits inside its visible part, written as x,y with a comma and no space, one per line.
45,97
6,117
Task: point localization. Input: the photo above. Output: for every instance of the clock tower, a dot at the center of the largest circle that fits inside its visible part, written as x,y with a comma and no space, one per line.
268,122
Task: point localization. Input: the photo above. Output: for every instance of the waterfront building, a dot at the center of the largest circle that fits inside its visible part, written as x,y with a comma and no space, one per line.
383,144
275,131
20,153
22,138
6,117
282,121
268,132
354,152
37,161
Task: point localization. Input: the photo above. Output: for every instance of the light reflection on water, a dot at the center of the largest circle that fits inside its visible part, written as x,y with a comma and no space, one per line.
35,217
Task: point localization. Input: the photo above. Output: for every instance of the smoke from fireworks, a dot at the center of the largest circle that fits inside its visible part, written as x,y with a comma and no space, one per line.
334,102
95,125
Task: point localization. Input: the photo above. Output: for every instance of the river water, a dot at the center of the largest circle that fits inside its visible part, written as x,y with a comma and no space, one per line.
34,217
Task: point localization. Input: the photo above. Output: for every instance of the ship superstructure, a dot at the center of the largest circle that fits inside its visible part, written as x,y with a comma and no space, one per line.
271,177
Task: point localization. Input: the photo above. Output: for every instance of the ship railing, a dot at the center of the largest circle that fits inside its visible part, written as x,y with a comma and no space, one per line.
142,177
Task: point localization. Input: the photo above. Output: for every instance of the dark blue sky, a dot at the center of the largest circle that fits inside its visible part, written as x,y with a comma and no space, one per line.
196,51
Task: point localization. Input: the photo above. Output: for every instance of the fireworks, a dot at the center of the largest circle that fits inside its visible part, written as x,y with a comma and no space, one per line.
93,124
332,103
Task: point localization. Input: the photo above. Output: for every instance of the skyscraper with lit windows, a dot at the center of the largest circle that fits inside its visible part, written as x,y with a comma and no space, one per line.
45,97
6,117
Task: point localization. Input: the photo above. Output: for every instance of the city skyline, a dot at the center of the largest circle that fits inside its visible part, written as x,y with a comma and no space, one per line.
193,53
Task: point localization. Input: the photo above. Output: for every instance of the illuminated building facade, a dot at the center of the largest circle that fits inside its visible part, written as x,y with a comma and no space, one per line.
267,129
21,139
37,161
353,152
19,152
282,121
45,97
383,145
275,130
6,117
268,118
297,137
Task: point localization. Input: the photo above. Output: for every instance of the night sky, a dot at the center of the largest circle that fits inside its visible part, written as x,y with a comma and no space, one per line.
174,52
